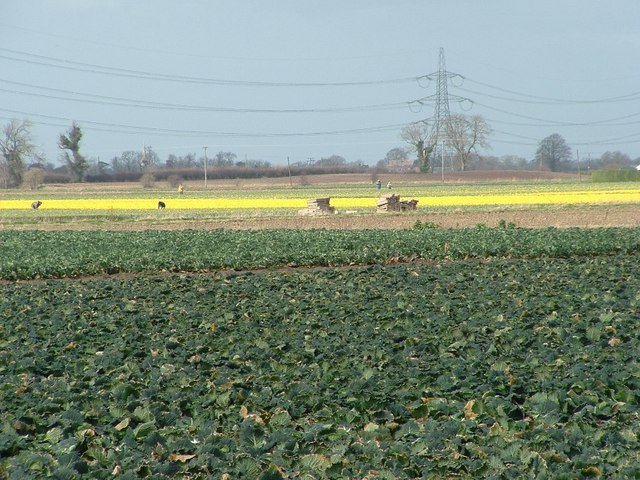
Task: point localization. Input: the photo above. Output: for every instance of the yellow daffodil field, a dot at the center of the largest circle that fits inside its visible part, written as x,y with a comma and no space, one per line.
340,198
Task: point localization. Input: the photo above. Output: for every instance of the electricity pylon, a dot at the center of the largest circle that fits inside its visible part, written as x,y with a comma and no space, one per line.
438,136
441,113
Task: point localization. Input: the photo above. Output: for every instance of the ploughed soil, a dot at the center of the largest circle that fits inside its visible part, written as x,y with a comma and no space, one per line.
536,217
574,217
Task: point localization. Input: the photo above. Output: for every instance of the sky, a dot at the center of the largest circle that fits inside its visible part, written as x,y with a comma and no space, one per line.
300,80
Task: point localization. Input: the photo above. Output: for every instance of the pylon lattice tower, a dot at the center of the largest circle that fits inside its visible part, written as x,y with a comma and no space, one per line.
438,135
441,114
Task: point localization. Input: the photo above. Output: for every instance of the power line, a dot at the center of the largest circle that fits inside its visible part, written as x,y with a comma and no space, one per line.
136,129
610,141
548,122
43,60
511,142
182,54
128,102
524,137
610,122
548,100
440,100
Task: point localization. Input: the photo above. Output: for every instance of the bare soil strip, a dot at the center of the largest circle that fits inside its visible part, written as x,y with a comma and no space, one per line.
590,216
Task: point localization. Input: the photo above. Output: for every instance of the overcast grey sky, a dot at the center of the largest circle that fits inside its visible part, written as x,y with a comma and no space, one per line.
310,78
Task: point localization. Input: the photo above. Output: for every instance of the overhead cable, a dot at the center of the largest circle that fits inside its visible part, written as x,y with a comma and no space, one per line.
558,123
123,128
128,102
550,100
43,60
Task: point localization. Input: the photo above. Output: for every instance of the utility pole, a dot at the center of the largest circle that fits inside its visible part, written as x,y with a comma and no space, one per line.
578,160
442,161
205,166
289,168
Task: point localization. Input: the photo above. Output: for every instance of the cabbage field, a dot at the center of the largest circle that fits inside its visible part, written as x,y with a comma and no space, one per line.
386,354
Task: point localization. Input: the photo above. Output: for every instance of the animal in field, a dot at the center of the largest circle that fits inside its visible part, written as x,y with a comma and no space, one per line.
36,205
161,205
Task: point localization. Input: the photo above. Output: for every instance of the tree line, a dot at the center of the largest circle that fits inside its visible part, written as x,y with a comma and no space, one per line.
456,148
463,136
21,163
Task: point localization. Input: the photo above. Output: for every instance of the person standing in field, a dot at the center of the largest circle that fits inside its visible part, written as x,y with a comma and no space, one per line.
379,184
180,189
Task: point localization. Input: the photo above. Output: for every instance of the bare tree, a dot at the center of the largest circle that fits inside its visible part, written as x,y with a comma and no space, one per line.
34,177
128,161
149,158
188,161
417,135
553,153
466,134
331,161
5,179
16,144
615,159
396,154
224,159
